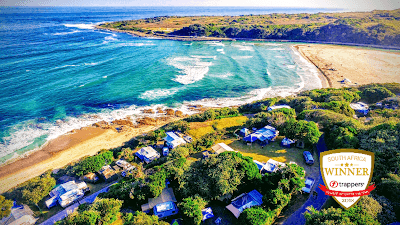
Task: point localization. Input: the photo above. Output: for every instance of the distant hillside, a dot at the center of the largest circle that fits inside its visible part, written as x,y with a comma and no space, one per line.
376,27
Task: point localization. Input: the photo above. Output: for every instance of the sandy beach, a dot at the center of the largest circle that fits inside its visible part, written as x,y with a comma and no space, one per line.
359,65
69,148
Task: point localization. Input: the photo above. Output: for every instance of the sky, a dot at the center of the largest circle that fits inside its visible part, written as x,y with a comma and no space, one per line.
357,5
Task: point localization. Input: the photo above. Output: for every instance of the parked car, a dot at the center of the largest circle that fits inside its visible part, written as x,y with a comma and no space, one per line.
309,184
308,157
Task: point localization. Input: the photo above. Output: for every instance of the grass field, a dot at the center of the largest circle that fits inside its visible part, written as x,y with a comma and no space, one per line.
199,129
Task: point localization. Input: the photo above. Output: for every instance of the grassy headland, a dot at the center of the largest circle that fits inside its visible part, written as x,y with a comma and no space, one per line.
379,27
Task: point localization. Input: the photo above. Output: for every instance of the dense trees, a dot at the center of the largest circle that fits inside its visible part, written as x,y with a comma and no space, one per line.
302,130
218,175
5,207
141,218
191,208
102,211
37,188
93,163
366,211
255,216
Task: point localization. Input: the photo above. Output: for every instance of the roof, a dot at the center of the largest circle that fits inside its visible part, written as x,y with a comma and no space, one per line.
147,152
221,147
171,136
273,165
19,215
167,195
244,201
260,165
63,188
90,176
165,206
250,138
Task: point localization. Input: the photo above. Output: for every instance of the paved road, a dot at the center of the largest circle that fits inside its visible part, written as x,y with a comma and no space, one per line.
297,217
61,215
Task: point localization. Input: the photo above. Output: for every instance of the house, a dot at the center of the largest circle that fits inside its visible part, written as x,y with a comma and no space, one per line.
164,205
221,147
165,209
272,166
273,107
108,173
263,135
360,107
124,165
91,177
172,140
244,201
244,132
66,193
286,142
20,214
147,154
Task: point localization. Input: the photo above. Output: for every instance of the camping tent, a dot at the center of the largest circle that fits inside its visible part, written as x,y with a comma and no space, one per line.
286,142
207,213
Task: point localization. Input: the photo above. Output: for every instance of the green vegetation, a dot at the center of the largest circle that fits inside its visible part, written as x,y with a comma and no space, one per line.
366,211
199,182
102,211
377,27
93,163
6,205
191,208
141,218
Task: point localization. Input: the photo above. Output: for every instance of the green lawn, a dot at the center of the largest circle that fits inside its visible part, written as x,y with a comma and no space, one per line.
274,151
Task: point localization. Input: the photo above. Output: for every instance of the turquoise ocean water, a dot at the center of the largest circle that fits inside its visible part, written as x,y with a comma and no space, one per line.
58,73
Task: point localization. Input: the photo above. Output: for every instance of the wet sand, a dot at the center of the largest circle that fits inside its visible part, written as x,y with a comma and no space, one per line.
359,65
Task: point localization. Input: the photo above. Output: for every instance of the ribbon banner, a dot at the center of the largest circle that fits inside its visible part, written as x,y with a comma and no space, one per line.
347,193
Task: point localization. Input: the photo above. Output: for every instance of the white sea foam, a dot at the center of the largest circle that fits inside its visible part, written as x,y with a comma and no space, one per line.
242,57
204,57
276,49
158,93
272,44
291,66
193,68
81,26
244,47
91,64
214,43
110,38
137,44
104,77
66,33
25,133
188,44
221,50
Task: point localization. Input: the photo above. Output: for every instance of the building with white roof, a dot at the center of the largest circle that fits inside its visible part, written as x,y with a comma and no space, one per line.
147,154
66,193
172,140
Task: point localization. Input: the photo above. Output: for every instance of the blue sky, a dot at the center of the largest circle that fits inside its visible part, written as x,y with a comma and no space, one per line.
346,4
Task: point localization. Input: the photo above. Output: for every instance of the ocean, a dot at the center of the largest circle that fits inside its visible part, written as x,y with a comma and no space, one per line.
59,73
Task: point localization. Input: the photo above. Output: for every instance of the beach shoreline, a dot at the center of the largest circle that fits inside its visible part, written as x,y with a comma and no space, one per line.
71,147
89,140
